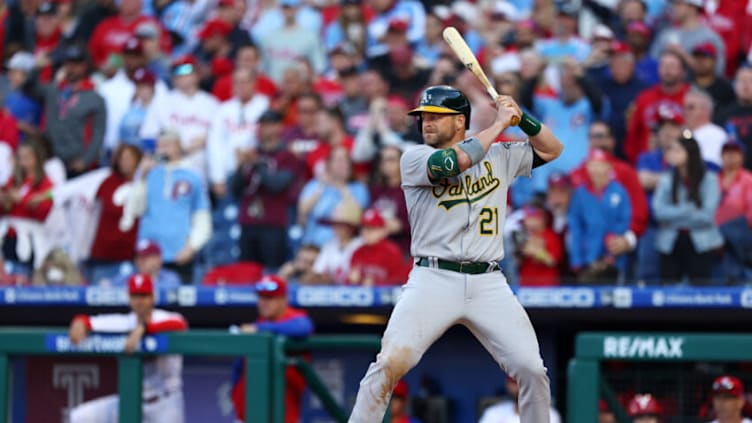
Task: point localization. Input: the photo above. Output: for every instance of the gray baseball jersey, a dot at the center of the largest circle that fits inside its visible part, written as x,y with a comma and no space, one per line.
458,219
462,218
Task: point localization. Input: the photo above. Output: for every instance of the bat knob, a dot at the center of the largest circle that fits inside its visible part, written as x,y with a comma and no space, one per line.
515,120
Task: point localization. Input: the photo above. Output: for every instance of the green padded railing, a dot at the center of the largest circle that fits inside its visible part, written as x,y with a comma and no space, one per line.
265,355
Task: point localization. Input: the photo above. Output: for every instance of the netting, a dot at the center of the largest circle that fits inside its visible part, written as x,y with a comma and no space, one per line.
683,389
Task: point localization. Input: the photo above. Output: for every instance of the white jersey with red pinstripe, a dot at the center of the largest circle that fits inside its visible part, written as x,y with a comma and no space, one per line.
162,379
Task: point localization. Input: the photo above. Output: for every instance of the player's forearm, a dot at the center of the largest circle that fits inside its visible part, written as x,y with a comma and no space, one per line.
546,145
486,137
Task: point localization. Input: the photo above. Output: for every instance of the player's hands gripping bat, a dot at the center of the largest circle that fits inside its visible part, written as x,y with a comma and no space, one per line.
468,59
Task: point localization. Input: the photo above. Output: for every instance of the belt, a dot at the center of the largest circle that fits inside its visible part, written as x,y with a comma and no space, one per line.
469,267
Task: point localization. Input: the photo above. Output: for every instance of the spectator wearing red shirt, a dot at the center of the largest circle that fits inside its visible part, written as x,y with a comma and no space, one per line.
330,129
276,317
601,138
214,47
247,57
47,35
378,261
110,34
27,181
113,246
267,183
8,129
398,407
734,214
541,252
669,93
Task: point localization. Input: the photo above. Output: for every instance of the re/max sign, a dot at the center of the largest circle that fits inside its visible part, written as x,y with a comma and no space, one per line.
643,347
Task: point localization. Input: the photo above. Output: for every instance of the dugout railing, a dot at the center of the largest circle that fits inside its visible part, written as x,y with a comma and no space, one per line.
587,384
266,358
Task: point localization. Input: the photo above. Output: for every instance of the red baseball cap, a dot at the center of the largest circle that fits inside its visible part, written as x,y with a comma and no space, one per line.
133,45
643,404
397,25
666,113
728,385
144,76
373,218
620,47
705,49
226,3
271,286
559,180
146,247
531,211
639,27
140,284
214,27
401,389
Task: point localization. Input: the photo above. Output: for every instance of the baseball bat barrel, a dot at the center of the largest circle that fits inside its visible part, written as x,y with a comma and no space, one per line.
457,43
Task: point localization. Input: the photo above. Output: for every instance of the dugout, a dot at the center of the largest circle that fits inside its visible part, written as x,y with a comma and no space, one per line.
677,368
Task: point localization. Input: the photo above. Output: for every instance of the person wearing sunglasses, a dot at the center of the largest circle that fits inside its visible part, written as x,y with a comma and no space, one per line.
276,317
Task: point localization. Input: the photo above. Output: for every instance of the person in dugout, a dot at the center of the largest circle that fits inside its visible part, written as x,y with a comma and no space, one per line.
644,408
162,395
277,317
399,406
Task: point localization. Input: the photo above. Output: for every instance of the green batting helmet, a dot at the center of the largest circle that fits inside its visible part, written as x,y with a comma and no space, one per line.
443,99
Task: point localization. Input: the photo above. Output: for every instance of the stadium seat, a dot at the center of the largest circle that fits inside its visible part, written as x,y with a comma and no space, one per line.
241,273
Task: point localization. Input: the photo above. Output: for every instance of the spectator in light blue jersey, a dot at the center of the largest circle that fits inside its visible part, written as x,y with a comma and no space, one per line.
569,116
174,207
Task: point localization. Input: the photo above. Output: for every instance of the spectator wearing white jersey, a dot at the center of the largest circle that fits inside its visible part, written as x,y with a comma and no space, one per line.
187,110
118,92
698,112
234,129
162,392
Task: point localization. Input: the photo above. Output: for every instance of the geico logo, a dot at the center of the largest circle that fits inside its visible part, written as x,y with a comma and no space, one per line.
325,296
106,296
746,298
557,297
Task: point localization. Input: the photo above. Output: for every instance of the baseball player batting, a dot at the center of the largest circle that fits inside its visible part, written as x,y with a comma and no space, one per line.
456,191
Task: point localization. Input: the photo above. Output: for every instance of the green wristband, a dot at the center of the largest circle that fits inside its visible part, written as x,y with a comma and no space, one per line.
529,125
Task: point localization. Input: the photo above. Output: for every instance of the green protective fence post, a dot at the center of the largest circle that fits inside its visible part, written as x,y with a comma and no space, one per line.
4,388
317,387
258,386
279,363
613,402
582,390
130,375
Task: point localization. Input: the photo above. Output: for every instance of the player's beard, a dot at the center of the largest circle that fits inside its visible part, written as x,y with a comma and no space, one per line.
438,138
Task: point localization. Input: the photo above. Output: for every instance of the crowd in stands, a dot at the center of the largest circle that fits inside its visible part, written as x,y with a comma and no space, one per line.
183,138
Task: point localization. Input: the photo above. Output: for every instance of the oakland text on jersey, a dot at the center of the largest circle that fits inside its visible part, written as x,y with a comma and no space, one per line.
469,192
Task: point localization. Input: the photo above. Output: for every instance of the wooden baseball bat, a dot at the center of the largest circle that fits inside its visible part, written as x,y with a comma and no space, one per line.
468,59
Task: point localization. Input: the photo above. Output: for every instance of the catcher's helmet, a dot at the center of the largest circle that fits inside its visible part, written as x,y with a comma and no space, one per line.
643,404
443,99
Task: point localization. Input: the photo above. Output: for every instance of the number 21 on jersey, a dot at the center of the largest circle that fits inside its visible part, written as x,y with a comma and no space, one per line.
489,221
